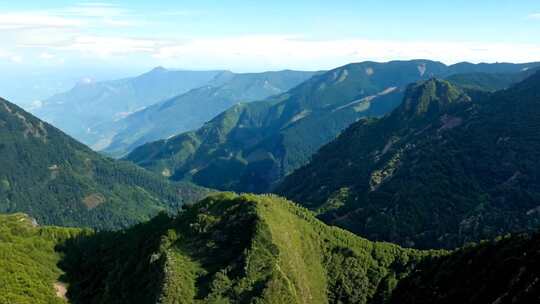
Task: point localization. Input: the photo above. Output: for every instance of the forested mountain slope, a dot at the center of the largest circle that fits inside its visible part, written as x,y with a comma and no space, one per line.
235,249
503,271
232,248
251,147
59,181
191,110
440,170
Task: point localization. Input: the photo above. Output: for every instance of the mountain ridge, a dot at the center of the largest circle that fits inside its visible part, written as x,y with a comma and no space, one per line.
435,182
190,110
250,148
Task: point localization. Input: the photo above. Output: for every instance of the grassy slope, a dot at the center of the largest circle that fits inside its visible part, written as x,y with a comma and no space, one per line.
233,248
28,261
236,249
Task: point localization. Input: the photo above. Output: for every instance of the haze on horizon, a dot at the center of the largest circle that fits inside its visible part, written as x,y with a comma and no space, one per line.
48,47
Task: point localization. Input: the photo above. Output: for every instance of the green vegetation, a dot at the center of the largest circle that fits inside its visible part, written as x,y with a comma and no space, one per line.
28,271
441,170
500,271
233,248
251,147
191,110
59,181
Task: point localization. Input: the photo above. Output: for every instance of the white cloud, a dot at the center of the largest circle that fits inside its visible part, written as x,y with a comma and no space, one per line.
16,59
294,52
46,56
24,20
535,16
99,10
109,46
76,32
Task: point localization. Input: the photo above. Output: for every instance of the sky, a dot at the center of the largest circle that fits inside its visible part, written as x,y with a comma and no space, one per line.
61,41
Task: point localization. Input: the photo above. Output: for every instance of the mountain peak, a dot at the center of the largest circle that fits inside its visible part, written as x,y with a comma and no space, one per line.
430,97
158,69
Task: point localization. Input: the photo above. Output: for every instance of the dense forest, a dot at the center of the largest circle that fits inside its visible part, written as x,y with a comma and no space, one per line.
448,166
59,181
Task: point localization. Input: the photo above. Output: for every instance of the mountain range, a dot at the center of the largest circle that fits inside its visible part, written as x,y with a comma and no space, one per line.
191,110
251,147
399,182
79,111
446,167
59,181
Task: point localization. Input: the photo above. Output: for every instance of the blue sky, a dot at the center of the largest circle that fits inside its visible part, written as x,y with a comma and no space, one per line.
110,38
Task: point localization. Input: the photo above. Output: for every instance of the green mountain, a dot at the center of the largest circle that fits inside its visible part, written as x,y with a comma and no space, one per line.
235,249
28,261
191,110
59,181
501,271
251,147
252,249
86,106
444,168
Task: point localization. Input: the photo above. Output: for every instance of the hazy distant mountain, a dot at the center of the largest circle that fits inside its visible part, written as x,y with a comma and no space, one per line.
79,111
446,167
59,181
251,146
192,109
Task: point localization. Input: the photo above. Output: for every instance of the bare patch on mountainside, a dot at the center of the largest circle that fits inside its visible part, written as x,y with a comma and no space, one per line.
61,290
93,200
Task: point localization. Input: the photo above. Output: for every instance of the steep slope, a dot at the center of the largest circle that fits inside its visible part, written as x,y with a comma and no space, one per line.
252,249
235,249
57,180
191,110
251,147
501,271
28,261
82,109
439,171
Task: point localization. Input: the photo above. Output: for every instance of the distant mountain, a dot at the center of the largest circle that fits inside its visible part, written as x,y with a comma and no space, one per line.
79,111
59,181
446,167
251,147
191,110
